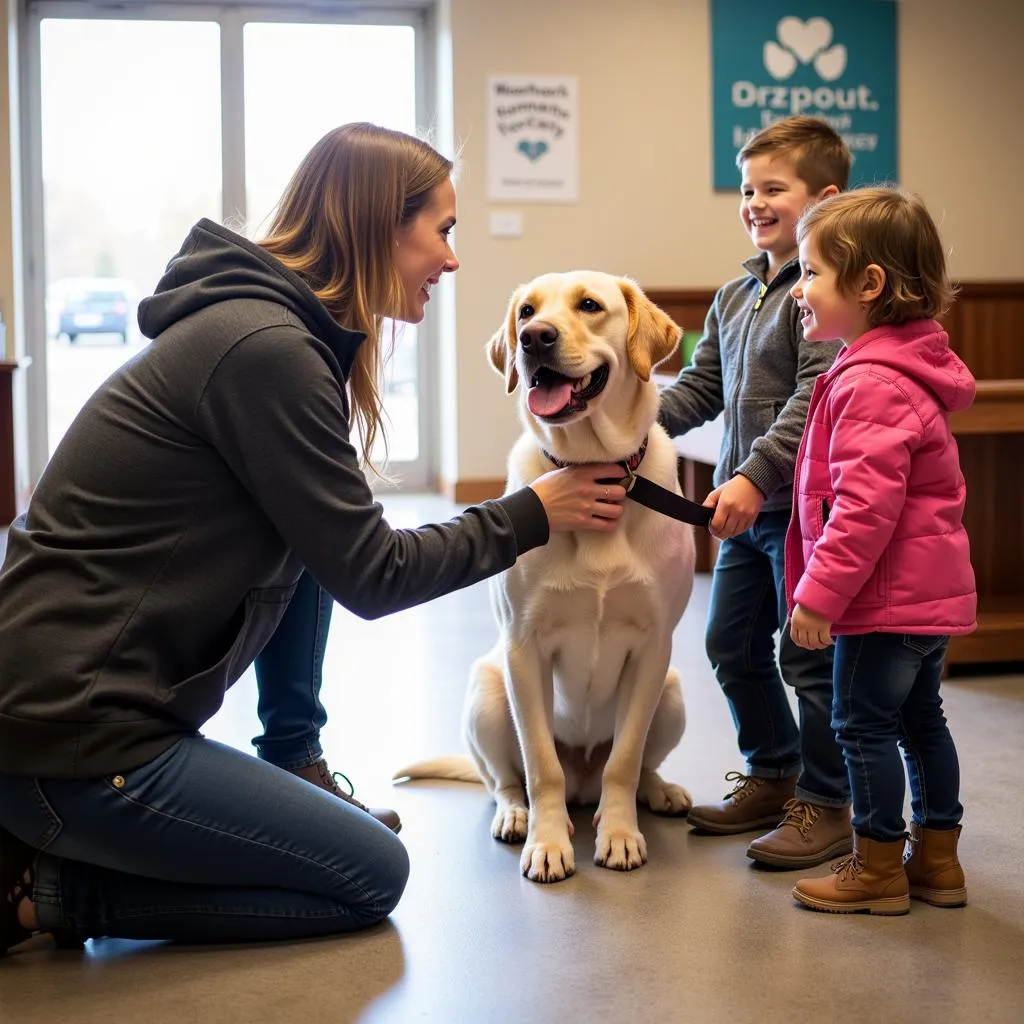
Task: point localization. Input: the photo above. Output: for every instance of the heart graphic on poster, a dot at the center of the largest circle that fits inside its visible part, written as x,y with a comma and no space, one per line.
779,62
831,63
532,150
805,38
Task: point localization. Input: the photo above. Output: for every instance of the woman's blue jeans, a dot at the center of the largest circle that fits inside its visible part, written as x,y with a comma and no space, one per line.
289,674
203,844
886,697
746,610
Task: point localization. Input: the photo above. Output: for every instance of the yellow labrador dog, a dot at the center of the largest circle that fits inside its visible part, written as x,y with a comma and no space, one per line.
577,702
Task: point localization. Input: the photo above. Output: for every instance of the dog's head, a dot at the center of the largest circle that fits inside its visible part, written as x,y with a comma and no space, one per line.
579,340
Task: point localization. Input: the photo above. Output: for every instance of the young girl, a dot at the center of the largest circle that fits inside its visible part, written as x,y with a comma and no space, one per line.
877,555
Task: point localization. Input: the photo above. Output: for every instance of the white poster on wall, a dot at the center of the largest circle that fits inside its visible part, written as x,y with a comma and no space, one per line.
531,139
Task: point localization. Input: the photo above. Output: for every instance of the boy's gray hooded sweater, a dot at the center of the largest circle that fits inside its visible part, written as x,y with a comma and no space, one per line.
753,364
170,528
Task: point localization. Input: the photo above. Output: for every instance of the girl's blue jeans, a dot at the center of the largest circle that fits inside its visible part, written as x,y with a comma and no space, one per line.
887,697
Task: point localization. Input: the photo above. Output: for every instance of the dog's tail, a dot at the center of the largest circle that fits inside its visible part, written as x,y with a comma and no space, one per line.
457,767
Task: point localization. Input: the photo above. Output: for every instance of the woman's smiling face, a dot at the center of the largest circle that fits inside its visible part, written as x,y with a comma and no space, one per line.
422,251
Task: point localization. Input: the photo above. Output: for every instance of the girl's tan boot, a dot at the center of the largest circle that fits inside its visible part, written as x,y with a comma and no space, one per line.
870,880
932,867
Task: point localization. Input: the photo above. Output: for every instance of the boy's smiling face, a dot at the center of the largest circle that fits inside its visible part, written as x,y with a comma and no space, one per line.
772,199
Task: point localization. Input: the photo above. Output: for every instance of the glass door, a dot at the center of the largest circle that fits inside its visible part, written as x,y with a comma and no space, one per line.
131,158
142,120
342,66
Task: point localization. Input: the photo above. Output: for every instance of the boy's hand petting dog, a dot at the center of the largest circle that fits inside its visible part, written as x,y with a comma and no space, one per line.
737,504
810,630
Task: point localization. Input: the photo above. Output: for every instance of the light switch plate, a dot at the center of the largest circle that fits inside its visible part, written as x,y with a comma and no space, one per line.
506,224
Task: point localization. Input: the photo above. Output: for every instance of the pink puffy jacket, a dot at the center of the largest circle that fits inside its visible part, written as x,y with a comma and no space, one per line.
877,542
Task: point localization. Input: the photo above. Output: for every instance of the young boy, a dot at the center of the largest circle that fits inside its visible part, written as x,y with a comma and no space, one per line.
753,363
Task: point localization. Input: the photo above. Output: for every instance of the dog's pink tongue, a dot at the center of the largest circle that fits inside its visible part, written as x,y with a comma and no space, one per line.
547,399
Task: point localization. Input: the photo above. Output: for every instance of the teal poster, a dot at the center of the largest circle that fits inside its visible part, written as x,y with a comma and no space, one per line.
832,58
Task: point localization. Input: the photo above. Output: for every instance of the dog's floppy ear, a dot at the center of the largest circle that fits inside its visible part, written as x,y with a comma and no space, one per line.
653,334
501,349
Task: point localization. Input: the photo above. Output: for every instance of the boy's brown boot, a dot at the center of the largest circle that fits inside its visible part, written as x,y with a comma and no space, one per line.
809,834
753,803
870,880
932,867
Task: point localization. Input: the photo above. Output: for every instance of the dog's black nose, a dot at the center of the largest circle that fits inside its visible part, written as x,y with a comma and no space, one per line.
538,338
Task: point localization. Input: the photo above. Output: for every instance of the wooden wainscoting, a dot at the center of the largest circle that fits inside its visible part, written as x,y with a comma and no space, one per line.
688,309
986,328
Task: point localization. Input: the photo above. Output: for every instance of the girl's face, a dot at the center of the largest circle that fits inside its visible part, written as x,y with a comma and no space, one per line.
826,313
422,252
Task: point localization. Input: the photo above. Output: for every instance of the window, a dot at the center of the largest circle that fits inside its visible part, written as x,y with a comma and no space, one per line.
143,118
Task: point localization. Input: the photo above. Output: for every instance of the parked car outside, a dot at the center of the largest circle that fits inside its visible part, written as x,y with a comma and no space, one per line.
101,305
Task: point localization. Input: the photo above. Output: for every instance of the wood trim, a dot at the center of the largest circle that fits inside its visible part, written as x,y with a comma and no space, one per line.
8,482
472,492
998,638
681,296
9,366
965,290
990,290
998,409
10,505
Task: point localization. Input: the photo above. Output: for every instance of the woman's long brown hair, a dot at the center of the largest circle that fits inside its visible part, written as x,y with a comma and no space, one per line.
335,227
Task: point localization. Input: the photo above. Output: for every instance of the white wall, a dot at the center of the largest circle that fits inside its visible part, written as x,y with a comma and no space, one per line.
646,204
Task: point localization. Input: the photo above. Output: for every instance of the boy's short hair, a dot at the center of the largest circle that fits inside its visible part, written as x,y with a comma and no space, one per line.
820,157
891,227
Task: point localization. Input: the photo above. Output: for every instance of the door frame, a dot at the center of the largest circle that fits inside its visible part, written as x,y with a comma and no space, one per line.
231,17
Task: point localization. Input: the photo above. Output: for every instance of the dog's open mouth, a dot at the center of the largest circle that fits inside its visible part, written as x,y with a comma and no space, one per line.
553,396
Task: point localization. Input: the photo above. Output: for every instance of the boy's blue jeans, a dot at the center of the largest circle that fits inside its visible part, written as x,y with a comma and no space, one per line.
747,609
886,697
289,674
203,844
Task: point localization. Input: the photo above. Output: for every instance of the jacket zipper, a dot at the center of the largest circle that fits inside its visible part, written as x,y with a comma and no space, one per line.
762,290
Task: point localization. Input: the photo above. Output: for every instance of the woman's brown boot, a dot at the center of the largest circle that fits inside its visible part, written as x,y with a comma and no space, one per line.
932,867
16,863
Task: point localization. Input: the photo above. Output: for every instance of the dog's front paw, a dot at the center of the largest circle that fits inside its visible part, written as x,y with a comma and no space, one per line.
510,823
548,862
621,849
664,797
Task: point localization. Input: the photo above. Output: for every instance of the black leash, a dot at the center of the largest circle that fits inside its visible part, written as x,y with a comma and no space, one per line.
667,502
653,496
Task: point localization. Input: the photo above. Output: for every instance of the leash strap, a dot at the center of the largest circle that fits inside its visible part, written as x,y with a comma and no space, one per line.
667,502
648,493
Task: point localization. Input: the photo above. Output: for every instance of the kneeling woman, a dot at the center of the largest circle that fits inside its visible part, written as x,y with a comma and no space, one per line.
187,524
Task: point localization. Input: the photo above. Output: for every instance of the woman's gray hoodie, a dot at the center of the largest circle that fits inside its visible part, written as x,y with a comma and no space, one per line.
169,529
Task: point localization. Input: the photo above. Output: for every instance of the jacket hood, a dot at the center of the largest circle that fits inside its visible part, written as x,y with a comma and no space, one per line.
919,349
216,265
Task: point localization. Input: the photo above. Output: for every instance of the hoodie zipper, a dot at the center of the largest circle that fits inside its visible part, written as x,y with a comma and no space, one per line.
762,290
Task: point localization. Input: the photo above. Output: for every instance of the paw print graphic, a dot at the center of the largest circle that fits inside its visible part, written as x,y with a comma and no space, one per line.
806,42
